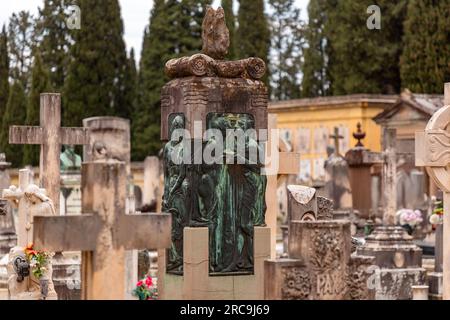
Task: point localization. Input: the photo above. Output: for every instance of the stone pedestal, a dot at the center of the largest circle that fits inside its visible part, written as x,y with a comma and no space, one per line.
197,284
67,276
399,261
320,265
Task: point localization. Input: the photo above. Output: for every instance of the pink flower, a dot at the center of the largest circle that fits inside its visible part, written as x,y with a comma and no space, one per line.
140,284
149,282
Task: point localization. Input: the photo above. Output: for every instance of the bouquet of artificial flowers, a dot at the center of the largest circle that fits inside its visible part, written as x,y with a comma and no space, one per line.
145,289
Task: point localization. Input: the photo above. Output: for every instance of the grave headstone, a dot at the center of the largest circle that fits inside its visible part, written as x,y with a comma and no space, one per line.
398,258
432,153
109,141
31,201
337,180
319,265
8,238
205,260
102,232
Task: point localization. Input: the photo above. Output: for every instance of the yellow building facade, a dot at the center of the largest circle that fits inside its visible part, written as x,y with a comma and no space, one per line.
308,124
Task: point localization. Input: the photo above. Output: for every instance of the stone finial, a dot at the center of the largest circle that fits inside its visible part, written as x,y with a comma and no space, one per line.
359,135
215,34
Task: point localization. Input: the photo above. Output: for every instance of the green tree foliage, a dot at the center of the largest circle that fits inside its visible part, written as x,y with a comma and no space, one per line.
286,55
425,62
365,60
54,40
40,83
4,70
317,54
174,30
230,18
21,42
14,115
95,85
253,35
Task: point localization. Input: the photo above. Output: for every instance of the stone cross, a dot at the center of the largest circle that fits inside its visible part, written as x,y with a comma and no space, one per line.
16,196
50,135
336,137
289,163
104,232
433,153
389,173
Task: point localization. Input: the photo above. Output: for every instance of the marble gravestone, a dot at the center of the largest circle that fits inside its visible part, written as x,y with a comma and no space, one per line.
8,237
109,142
319,264
398,258
30,201
337,180
431,148
102,232
219,237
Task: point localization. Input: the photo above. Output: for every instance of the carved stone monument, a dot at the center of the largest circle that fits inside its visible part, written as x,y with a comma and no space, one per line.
432,150
22,283
337,181
8,237
360,176
109,141
319,264
399,259
103,232
219,237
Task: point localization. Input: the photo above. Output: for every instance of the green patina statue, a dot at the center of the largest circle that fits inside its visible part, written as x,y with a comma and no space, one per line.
228,198
69,159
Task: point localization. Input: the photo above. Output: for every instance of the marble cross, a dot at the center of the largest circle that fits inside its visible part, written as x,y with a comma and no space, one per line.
388,159
433,153
104,232
50,135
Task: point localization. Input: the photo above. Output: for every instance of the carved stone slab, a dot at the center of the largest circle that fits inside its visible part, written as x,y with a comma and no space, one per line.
197,97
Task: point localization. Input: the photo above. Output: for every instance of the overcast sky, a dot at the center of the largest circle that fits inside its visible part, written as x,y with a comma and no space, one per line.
135,14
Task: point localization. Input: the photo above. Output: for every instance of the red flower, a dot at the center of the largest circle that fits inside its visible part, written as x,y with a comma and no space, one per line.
140,284
149,282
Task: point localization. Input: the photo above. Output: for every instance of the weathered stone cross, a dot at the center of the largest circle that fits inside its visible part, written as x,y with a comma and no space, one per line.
388,159
336,137
104,232
433,153
50,136
289,163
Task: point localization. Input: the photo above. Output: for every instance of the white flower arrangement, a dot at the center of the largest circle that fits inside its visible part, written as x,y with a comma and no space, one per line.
409,217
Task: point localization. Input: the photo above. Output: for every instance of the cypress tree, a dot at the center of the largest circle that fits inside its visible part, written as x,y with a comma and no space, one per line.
4,70
253,35
14,114
131,78
95,82
230,19
366,61
317,54
425,62
40,83
21,42
54,40
190,25
286,56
